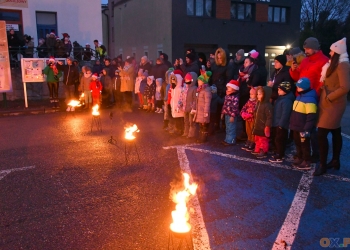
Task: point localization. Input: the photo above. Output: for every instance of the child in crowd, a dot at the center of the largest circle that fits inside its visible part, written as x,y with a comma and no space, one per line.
150,91
189,104
230,112
247,114
280,122
202,114
85,81
143,84
216,100
262,122
96,90
302,122
116,83
166,91
158,96
137,87
176,103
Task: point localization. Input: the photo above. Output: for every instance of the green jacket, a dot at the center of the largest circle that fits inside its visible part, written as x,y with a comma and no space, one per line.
50,75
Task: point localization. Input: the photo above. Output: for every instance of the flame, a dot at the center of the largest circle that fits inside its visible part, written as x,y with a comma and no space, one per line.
82,95
180,215
74,103
95,111
129,132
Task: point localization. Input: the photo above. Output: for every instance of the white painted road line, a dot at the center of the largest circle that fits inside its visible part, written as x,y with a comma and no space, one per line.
346,136
290,226
3,173
199,231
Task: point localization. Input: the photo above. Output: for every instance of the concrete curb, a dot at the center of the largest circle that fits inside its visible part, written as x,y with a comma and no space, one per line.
27,112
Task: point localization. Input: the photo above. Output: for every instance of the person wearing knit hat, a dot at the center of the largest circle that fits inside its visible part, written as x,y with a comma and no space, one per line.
332,105
189,65
188,78
189,96
230,112
247,114
240,52
178,72
280,120
303,84
311,43
280,74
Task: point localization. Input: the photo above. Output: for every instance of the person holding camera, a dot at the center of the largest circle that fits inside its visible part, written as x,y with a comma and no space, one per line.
52,77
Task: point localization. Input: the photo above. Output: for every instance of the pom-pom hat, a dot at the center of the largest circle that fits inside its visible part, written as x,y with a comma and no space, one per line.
339,47
95,76
205,75
233,84
303,83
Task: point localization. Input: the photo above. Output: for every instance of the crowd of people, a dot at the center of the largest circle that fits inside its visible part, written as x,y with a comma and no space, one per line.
302,101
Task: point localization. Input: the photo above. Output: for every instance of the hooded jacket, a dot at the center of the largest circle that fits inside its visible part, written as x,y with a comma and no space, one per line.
282,110
203,104
304,113
176,111
263,113
191,94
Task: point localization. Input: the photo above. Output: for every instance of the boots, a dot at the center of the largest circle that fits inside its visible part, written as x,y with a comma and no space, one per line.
333,164
165,124
322,169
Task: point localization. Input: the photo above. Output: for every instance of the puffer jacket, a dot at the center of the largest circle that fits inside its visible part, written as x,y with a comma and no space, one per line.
191,94
263,113
203,105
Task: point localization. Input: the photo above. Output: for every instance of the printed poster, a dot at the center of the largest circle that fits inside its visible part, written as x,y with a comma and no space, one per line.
5,71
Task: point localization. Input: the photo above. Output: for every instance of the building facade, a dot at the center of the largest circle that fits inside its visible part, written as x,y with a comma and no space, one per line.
37,18
148,27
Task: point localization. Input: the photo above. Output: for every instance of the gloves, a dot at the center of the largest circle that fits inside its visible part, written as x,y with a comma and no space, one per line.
305,134
206,114
267,131
232,119
193,111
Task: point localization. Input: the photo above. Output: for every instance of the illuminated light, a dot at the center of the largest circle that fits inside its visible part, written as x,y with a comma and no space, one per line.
180,215
95,111
266,54
129,132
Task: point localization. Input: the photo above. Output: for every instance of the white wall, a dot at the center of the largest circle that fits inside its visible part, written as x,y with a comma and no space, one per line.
81,19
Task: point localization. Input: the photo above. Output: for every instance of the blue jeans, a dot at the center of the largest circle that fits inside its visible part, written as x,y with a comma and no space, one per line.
230,130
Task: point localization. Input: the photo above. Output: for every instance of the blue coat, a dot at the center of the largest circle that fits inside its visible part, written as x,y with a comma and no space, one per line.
282,110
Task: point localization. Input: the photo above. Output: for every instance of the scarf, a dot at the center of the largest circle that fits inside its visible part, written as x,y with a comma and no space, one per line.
343,58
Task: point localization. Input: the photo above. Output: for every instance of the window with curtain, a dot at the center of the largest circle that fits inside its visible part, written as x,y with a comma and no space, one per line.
277,14
241,11
200,8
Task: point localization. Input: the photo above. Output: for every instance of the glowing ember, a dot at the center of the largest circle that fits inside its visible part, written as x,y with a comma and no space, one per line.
129,132
95,111
82,95
74,103
180,214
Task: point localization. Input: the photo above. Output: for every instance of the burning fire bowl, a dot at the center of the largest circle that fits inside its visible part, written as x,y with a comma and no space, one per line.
181,235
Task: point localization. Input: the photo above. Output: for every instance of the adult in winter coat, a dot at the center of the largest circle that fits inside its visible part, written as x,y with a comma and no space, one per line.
107,85
176,102
190,104
145,65
202,114
158,70
191,64
127,82
336,85
53,76
237,64
165,59
70,78
219,69
281,74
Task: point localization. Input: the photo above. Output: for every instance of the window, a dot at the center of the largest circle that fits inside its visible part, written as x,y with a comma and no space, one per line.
200,8
277,14
46,23
241,11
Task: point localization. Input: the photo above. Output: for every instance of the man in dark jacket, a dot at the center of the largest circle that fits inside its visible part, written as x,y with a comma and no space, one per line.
70,77
159,69
13,43
165,59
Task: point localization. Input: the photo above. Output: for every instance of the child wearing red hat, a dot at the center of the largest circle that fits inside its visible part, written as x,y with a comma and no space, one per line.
230,112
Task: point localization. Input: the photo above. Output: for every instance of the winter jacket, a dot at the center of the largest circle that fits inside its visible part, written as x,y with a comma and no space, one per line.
282,110
277,77
97,68
85,83
70,74
106,81
311,68
137,84
143,84
150,90
176,110
190,67
191,94
158,71
263,113
203,104
127,78
220,76
304,113
333,97
247,112
116,82
96,88
215,102
231,104
147,66
50,74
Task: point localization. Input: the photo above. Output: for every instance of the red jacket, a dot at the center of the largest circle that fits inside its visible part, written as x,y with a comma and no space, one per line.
311,68
96,88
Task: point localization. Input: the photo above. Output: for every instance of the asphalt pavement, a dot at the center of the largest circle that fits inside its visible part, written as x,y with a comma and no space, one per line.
65,186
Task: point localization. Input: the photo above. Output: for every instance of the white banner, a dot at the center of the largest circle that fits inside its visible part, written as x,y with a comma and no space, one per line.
5,72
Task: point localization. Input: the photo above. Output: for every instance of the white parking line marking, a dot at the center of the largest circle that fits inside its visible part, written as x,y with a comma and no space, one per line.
3,173
201,239
346,136
290,226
